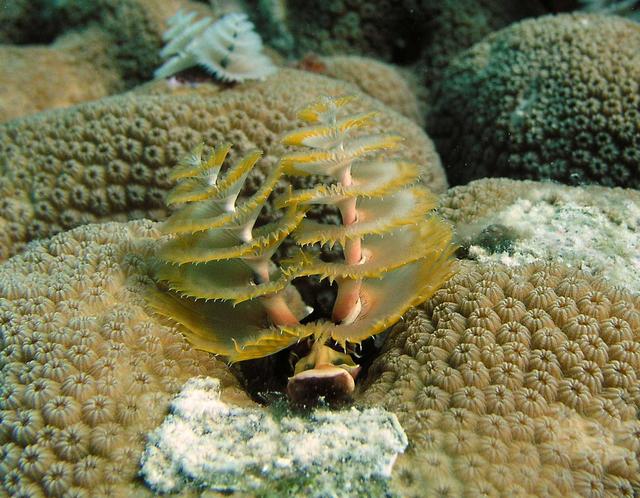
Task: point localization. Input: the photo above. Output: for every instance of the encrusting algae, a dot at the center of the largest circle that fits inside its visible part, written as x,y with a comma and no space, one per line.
219,280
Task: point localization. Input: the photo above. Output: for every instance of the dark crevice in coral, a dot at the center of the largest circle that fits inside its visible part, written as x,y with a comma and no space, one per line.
265,379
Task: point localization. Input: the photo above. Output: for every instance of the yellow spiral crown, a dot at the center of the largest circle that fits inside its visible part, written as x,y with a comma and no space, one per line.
221,284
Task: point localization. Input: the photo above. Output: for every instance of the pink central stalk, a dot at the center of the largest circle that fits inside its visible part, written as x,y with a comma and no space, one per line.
348,299
279,311
276,307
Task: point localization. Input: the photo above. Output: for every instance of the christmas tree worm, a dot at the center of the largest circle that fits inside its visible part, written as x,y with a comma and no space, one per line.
232,300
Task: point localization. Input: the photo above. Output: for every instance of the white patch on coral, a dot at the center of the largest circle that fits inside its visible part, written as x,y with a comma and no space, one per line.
206,443
581,236
229,48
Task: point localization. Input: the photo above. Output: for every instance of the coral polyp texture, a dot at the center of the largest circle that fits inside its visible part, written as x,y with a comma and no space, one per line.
110,160
217,253
425,34
85,372
516,382
556,97
229,48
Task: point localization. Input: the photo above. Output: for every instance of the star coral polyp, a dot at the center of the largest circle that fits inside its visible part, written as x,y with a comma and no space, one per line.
232,300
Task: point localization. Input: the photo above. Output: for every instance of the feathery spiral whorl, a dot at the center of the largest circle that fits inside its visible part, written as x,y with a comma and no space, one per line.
395,254
233,300
229,48
222,285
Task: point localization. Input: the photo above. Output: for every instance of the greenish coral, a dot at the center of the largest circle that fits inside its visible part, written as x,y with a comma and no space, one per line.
109,160
555,97
21,21
454,25
270,19
626,8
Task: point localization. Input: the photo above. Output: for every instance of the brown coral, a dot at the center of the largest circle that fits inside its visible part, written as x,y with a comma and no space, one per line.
110,160
83,378
97,50
72,70
546,411
377,79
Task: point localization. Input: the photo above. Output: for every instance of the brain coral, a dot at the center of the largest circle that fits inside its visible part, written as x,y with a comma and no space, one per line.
109,160
74,69
516,382
85,372
454,25
555,97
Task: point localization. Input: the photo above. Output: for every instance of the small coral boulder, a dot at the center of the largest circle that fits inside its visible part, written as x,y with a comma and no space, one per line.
555,97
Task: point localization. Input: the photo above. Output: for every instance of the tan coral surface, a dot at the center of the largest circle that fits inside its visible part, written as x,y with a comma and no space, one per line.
594,228
100,48
382,81
72,70
109,160
516,382
85,371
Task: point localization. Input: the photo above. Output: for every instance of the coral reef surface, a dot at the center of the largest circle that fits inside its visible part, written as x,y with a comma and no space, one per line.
514,382
555,97
518,377
594,229
85,371
110,160
421,33
96,49
381,81
73,69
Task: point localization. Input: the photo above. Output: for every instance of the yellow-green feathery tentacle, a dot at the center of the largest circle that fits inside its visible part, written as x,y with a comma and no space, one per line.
386,299
218,244
216,211
219,281
381,253
398,254
215,267
240,332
